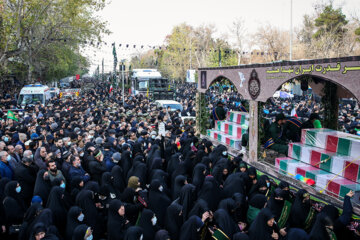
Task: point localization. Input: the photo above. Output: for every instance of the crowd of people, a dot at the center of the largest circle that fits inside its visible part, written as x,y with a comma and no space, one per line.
95,168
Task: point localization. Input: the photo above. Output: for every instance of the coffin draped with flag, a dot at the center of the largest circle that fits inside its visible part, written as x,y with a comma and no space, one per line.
231,130
330,158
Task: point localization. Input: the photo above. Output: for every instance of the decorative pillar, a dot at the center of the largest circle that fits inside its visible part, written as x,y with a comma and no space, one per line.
253,131
198,113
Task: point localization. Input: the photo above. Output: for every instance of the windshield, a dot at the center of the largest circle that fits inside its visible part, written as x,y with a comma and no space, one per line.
174,107
30,99
142,85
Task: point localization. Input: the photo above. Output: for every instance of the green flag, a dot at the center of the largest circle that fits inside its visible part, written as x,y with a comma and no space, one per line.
11,115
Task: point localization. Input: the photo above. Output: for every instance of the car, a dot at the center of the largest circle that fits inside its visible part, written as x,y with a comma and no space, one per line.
174,105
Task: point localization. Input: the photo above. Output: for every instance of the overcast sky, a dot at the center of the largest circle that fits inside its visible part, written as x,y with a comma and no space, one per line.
147,22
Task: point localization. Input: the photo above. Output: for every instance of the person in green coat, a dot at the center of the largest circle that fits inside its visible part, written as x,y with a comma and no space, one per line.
219,112
275,139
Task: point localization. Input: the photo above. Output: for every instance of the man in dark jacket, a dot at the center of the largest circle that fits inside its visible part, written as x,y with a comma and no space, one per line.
219,112
77,170
274,136
97,167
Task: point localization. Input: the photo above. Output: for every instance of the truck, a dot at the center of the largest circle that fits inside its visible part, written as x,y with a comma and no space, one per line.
150,83
34,94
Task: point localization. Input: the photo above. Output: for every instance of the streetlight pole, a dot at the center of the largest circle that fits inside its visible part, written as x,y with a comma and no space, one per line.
190,51
291,27
123,80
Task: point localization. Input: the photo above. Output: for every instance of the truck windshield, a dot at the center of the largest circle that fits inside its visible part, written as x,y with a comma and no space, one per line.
30,99
142,85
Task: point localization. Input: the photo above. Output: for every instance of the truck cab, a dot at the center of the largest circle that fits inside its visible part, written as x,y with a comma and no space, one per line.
34,94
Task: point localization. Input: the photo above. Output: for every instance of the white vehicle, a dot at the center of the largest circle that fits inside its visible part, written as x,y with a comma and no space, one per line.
140,79
34,94
54,92
174,105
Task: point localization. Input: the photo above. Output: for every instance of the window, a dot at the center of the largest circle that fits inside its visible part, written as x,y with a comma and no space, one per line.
142,85
30,99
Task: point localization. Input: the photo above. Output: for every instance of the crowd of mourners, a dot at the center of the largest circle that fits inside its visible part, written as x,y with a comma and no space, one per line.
95,168
302,106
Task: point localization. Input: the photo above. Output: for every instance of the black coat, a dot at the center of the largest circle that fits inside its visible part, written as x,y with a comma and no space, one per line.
96,169
116,225
72,221
174,220
26,176
56,204
158,201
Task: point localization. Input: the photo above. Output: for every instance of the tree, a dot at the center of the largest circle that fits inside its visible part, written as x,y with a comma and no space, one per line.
357,32
272,40
328,34
331,21
32,26
227,55
239,33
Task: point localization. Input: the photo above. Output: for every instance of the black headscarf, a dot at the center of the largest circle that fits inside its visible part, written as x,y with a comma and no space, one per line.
107,181
32,212
228,204
320,231
216,154
85,200
225,222
189,230
282,185
258,201
259,230
72,221
42,188
276,205
174,220
133,233
241,207
198,175
240,236
162,235
79,232
187,198
158,201
116,223
13,204
173,163
146,224
178,184
211,193
199,208
180,170
297,233
125,161
233,184
299,210
140,171
56,204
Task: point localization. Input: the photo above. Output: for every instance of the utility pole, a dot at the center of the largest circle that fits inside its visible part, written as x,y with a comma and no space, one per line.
291,27
123,80
190,51
115,63
219,57
102,71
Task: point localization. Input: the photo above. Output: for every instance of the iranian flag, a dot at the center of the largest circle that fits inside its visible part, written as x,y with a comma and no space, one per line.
293,113
111,88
